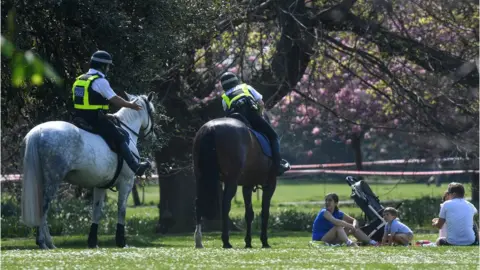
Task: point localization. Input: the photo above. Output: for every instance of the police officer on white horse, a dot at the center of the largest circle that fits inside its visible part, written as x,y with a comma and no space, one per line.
92,95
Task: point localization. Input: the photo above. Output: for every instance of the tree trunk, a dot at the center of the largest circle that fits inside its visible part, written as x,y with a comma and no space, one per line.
177,202
136,198
357,151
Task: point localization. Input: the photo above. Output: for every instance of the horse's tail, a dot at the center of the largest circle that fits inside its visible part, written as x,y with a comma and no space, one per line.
208,178
32,182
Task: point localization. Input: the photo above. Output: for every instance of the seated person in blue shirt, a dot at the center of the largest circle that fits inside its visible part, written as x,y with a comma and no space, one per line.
332,226
396,233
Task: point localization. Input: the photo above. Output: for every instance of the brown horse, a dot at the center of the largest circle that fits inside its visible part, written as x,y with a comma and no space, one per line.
226,150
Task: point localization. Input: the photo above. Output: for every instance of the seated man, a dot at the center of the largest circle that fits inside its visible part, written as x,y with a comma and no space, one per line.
244,99
458,214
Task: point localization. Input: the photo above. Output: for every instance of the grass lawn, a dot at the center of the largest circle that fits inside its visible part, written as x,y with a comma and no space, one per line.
298,191
290,250
304,191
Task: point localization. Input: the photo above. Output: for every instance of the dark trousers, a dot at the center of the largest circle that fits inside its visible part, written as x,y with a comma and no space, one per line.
261,125
102,125
107,130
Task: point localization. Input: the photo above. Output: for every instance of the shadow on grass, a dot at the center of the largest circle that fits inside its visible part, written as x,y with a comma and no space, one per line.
80,242
138,241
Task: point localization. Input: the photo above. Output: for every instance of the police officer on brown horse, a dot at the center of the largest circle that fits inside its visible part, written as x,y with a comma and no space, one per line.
244,99
92,95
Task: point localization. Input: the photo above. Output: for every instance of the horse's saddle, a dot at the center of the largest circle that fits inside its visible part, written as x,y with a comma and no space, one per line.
81,123
261,138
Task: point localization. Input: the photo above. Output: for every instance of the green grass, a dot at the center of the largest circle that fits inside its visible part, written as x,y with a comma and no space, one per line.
289,251
298,191
302,191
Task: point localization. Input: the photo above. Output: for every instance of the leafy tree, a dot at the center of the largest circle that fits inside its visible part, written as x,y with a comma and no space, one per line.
356,68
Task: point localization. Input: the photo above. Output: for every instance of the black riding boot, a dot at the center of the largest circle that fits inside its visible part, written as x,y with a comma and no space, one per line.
277,160
138,168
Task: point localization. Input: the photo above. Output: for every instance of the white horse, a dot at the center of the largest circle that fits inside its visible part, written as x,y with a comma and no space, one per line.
58,151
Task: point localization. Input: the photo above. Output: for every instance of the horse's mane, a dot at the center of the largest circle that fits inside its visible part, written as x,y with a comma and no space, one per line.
128,114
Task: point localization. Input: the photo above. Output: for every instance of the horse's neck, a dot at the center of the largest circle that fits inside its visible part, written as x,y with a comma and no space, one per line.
132,119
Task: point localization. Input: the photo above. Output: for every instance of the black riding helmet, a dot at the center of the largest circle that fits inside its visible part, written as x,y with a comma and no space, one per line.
102,57
229,80
101,60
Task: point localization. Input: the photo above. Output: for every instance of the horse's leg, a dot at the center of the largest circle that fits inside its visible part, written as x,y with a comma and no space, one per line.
228,194
124,190
267,195
198,227
44,239
98,203
249,214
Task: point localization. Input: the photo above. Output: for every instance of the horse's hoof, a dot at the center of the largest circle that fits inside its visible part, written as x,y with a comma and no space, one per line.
121,242
120,236
248,246
266,246
227,245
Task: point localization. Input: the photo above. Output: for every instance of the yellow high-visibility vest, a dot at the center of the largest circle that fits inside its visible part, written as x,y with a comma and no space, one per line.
84,98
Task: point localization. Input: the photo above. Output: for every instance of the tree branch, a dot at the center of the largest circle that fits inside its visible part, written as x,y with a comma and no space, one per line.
339,18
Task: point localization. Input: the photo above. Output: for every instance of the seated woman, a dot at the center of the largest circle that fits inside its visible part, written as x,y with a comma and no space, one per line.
332,226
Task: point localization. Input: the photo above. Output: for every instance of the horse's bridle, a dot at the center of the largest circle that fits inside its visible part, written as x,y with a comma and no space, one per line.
150,119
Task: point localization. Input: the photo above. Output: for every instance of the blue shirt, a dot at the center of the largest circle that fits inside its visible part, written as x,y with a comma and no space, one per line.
321,225
397,227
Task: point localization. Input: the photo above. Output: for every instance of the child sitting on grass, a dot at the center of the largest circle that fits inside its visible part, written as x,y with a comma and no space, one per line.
395,231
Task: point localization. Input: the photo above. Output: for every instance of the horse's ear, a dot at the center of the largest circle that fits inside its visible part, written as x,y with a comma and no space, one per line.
150,96
131,97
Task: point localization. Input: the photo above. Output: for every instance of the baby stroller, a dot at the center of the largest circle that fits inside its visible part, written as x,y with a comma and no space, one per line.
364,197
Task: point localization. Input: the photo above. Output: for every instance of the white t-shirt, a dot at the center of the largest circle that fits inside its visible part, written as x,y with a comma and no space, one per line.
101,85
256,95
458,214
443,230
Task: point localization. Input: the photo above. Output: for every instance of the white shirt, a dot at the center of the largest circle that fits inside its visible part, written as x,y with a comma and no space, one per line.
443,230
256,95
101,85
458,214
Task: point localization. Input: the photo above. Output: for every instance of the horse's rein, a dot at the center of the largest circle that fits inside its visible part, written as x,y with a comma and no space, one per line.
150,119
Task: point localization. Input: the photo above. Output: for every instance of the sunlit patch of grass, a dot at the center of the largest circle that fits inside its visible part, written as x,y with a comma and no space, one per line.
289,251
